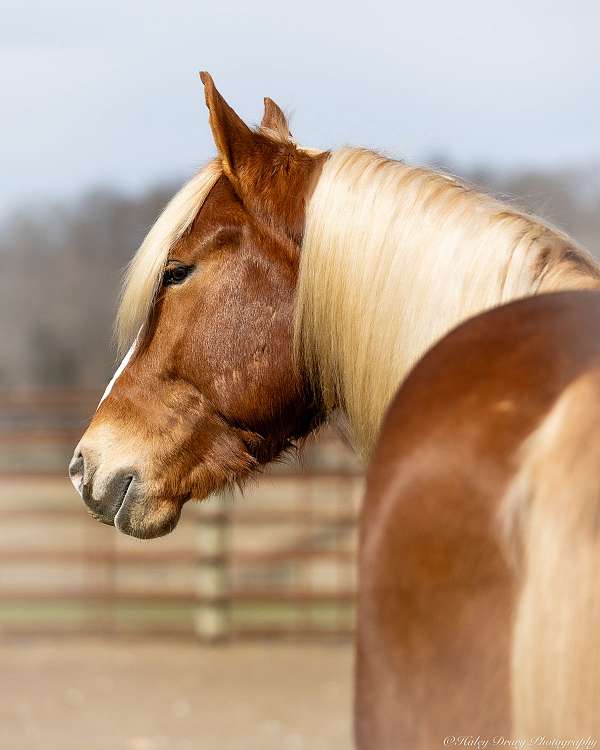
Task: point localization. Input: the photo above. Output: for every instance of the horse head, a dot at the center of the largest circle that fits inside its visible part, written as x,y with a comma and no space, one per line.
210,389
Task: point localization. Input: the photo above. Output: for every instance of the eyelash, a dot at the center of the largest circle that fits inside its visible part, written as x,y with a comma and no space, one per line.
176,275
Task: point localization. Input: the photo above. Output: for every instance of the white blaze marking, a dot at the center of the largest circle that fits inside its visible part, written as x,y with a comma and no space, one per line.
120,369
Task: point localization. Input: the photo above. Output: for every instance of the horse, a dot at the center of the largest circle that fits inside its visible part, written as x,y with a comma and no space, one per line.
282,286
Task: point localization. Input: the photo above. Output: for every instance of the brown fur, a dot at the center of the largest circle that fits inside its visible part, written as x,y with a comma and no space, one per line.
437,595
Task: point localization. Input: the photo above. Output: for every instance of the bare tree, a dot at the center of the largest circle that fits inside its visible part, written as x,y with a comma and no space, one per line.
61,267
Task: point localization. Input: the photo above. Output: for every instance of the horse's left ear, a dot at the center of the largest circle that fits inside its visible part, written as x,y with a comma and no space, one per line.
275,121
234,140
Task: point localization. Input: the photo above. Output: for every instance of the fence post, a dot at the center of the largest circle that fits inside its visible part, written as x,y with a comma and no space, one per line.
212,615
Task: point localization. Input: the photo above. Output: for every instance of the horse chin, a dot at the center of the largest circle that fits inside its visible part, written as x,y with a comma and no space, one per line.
146,517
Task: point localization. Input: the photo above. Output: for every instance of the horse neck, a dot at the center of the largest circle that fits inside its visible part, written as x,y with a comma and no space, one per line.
393,258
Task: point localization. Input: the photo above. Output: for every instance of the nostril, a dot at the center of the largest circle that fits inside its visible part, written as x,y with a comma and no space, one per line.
76,469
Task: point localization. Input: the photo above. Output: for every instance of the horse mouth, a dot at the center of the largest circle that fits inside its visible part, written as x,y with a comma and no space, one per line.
105,509
145,517
121,502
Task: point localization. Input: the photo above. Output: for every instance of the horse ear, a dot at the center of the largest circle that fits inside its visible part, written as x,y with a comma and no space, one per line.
274,120
234,139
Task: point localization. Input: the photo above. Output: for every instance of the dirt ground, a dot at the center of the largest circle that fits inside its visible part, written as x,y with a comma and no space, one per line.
91,694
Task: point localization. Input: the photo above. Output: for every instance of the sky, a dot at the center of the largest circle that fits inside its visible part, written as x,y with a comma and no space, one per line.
107,93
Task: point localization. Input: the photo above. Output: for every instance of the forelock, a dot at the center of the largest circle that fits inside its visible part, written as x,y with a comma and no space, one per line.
143,274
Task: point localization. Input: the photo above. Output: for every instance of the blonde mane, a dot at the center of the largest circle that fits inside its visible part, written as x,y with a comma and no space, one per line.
393,257
144,272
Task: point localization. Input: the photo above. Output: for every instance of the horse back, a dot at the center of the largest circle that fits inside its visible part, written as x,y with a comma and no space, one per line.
437,594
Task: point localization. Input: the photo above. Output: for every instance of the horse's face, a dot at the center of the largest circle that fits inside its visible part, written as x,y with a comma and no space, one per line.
211,389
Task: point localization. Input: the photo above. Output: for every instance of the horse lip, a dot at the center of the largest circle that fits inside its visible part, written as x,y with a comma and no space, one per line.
108,515
121,503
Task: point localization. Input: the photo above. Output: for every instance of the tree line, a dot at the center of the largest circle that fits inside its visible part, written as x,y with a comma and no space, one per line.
62,264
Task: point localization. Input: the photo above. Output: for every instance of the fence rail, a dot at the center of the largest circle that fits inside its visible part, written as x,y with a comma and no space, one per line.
279,561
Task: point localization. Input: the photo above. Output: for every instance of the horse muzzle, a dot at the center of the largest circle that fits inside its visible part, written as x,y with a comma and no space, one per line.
117,498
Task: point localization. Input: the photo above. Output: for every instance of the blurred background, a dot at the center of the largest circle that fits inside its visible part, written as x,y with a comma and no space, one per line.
236,630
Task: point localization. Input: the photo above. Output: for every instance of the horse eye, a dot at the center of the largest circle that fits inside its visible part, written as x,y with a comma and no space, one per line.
175,275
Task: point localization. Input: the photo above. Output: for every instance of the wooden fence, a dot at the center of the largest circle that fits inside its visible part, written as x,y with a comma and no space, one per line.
277,561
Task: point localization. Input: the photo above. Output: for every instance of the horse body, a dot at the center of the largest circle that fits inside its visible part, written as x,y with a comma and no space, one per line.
440,585
284,284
